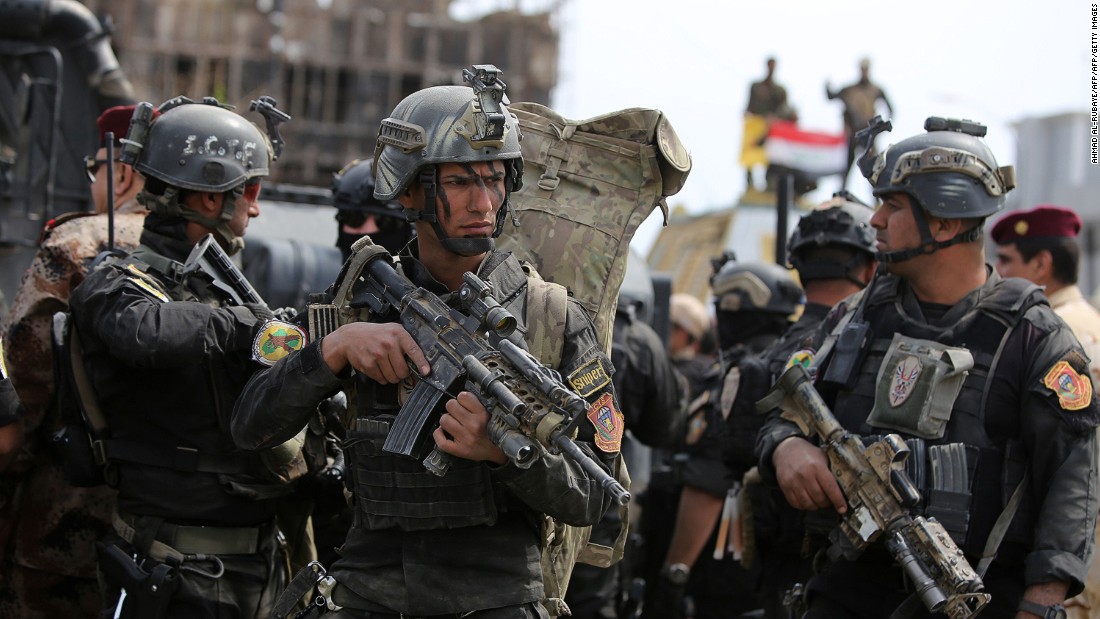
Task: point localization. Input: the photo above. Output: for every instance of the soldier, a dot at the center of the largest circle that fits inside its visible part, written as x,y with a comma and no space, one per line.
1040,245
51,564
467,543
689,325
166,355
358,212
754,303
860,100
1014,411
653,400
767,102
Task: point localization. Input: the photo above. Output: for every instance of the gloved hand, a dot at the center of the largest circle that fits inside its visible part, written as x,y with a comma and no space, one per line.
286,314
261,311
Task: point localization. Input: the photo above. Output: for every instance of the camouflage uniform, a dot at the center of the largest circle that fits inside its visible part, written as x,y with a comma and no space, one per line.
49,567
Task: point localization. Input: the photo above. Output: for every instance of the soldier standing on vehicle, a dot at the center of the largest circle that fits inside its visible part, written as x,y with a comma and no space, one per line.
50,565
167,353
1014,414
469,542
860,100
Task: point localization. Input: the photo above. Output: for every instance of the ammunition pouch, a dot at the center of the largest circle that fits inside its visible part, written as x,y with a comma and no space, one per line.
917,384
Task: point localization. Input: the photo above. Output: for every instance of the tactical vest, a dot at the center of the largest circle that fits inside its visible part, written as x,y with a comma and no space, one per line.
396,491
984,331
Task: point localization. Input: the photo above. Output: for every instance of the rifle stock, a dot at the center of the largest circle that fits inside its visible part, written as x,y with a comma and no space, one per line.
879,493
532,410
209,257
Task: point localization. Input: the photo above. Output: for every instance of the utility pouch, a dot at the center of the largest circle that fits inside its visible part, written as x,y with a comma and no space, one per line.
78,444
847,356
146,593
916,387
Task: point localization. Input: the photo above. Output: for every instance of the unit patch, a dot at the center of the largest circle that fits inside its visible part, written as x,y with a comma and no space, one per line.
904,379
276,340
608,422
1074,391
589,378
803,357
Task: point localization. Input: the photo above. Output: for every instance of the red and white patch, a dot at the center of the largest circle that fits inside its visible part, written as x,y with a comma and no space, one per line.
1074,391
609,423
905,378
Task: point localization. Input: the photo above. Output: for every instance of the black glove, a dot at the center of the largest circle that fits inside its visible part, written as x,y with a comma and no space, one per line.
261,311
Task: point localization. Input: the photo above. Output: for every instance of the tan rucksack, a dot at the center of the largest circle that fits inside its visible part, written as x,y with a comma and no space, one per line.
587,186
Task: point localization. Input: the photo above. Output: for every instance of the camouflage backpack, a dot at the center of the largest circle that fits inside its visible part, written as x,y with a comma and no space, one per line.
587,186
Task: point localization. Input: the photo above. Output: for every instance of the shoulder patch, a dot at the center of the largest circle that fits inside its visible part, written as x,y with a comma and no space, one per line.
609,423
589,378
730,388
803,357
276,340
1074,391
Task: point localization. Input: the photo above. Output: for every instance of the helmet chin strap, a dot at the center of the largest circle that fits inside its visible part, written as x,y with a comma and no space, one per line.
928,245
169,205
474,246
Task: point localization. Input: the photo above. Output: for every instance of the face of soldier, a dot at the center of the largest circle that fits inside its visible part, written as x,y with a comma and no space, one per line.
470,194
1011,263
895,228
248,206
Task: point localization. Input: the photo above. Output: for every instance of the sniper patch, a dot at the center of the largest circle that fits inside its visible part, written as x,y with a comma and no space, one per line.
589,378
1074,391
609,423
276,340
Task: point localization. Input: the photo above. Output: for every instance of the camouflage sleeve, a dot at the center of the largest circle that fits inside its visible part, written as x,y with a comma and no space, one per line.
1059,414
555,485
141,326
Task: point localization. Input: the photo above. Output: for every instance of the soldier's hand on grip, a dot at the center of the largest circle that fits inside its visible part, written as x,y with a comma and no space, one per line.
383,352
463,431
802,471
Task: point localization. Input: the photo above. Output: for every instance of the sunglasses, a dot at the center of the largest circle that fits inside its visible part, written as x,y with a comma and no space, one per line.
91,166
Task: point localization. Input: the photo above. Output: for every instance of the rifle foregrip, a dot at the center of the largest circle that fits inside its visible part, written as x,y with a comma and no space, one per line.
607,482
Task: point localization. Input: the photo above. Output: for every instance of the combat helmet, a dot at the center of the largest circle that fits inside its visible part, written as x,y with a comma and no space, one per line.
353,197
196,146
449,124
842,222
948,172
754,286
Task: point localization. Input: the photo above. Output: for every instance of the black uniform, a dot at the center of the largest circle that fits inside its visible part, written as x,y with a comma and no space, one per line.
167,360
651,394
425,545
1010,422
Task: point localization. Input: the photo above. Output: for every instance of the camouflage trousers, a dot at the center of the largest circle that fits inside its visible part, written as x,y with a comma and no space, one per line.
33,594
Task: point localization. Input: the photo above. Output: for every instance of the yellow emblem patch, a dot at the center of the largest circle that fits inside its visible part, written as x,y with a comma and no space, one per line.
589,378
609,423
276,340
804,357
1074,391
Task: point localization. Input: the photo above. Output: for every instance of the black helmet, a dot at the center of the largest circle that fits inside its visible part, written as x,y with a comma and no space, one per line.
842,221
948,172
449,124
196,146
353,190
755,286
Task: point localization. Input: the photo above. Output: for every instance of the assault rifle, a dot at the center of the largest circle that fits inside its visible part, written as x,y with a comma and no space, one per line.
532,409
879,493
209,257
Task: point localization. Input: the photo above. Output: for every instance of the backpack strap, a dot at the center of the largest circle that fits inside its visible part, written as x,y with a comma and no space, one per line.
547,306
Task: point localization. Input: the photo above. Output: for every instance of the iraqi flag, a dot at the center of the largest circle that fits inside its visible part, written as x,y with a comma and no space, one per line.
812,152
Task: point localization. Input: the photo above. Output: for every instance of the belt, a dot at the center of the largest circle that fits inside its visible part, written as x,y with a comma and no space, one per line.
175,541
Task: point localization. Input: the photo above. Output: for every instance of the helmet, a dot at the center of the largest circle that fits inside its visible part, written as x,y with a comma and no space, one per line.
353,190
842,221
449,124
203,147
948,172
197,146
755,286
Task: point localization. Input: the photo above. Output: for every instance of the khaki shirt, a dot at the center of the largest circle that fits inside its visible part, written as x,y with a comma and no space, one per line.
1084,320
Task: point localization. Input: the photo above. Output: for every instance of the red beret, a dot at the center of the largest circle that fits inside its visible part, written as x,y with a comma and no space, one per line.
1042,221
116,119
